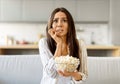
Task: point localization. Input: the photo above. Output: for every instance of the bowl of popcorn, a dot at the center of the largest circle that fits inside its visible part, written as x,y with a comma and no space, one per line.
67,63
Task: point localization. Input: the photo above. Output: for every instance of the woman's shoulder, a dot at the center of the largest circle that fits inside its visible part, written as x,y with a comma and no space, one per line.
43,40
81,42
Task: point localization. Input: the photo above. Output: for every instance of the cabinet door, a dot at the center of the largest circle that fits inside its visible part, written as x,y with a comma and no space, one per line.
11,10
93,10
0,10
37,10
70,5
115,21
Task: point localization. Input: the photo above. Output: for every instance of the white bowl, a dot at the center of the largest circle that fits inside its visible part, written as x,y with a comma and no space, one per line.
66,66
67,63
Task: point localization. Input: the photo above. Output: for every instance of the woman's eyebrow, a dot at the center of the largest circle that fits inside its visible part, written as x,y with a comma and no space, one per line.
55,18
64,18
61,18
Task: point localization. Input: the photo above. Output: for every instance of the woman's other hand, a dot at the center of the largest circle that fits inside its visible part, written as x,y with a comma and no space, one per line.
75,74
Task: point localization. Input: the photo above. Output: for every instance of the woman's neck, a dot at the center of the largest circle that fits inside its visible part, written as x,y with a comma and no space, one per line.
64,39
65,50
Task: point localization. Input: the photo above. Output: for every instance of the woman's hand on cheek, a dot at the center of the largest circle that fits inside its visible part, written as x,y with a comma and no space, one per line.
54,35
51,31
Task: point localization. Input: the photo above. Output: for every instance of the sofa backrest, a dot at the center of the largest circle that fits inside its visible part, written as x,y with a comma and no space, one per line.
20,69
103,70
27,69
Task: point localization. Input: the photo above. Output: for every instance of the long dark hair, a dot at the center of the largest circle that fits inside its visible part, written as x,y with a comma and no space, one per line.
71,35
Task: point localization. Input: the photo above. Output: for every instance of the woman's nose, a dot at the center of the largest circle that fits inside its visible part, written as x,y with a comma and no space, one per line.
59,23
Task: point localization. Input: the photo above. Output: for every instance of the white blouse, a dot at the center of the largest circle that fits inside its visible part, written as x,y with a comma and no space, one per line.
50,75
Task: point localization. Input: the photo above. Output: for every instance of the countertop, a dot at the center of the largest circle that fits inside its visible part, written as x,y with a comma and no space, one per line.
109,47
31,46
28,46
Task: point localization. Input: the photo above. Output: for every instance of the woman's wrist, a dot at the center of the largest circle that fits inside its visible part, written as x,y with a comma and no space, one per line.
58,50
59,44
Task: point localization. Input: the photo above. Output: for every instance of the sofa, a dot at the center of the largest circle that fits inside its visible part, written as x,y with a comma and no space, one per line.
27,69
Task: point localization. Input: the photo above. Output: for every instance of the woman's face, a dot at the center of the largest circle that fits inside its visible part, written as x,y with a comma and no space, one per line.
60,24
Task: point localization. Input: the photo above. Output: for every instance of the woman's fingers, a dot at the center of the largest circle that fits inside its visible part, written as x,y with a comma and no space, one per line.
54,32
65,73
51,31
54,35
61,73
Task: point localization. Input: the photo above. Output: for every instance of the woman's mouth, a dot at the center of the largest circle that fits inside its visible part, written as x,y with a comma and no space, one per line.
59,30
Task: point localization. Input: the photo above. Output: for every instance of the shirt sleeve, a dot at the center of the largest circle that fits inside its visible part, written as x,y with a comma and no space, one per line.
83,71
47,59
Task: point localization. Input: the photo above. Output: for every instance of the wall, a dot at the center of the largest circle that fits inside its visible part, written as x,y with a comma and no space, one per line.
31,32
21,31
94,33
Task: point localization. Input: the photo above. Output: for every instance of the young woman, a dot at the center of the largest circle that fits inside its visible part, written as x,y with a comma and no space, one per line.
61,41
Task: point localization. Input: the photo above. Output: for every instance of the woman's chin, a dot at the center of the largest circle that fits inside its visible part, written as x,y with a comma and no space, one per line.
59,35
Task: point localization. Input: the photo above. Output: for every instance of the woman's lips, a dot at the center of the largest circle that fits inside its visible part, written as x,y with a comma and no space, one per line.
59,30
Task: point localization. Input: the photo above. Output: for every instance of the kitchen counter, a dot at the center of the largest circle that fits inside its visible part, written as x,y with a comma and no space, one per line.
115,49
5,48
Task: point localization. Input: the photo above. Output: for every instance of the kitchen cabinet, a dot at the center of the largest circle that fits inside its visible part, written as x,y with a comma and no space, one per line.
18,49
10,10
99,50
40,10
68,4
37,10
92,10
0,10
33,49
115,21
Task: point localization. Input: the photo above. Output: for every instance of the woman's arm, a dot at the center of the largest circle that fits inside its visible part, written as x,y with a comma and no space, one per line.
58,50
58,41
47,59
83,71
78,76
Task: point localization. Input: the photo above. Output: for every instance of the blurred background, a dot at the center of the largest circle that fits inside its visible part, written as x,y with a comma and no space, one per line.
23,24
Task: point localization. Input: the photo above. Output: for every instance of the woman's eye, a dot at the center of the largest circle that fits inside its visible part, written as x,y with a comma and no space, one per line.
64,20
55,21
